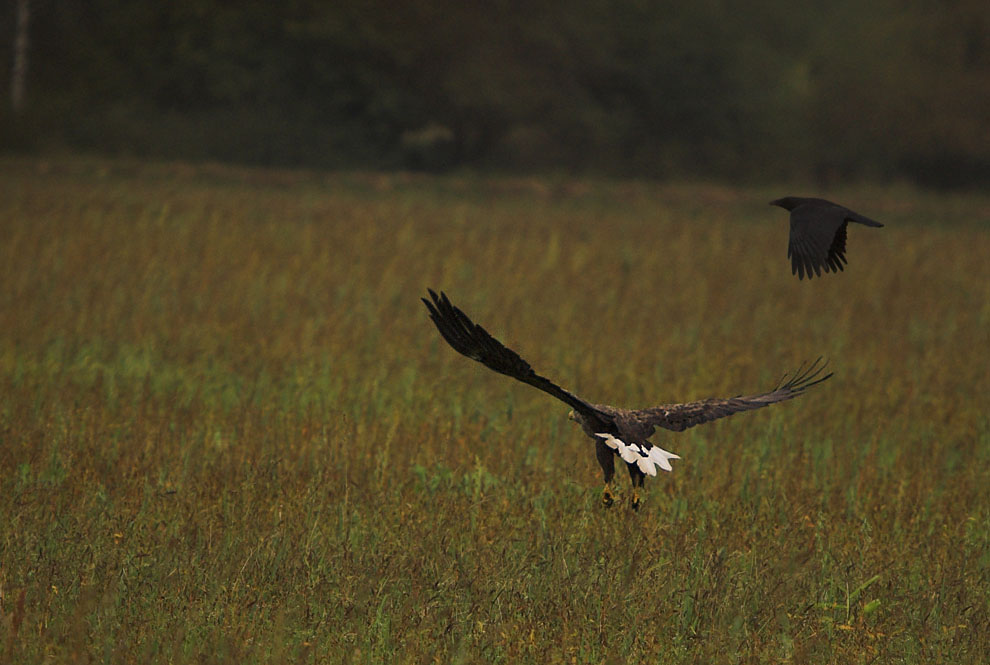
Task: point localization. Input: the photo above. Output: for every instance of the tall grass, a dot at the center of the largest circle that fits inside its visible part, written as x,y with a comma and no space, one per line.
229,433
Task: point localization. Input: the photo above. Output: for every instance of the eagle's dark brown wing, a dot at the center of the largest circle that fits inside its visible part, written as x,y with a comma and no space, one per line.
679,417
473,341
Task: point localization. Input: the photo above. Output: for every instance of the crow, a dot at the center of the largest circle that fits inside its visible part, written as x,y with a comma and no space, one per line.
818,234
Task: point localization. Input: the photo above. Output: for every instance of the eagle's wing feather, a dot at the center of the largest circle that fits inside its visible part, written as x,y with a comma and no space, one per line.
679,417
470,339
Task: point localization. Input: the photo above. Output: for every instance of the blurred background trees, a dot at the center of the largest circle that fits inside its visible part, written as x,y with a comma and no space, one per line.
764,89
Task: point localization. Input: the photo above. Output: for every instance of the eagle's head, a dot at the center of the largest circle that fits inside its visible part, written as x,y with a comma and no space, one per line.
576,417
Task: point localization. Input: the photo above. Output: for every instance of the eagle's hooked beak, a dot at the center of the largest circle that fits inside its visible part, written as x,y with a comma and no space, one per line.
571,415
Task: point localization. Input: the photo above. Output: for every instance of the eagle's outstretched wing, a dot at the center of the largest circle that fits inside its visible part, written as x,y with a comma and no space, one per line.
678,417
473,341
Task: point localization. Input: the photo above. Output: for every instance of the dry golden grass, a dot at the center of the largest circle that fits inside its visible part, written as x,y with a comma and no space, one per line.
229,433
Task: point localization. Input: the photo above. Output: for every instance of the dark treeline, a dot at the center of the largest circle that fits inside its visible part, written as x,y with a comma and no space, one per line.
765,88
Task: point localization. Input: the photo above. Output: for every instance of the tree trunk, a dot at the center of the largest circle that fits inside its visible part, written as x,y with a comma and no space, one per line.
19,70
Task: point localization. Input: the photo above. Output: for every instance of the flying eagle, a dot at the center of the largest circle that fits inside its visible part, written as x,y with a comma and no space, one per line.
622,432
818,234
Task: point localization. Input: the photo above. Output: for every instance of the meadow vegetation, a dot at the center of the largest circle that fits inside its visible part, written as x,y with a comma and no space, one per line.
229,433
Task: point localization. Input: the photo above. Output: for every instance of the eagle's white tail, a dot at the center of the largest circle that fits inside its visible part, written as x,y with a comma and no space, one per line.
634,453
662,457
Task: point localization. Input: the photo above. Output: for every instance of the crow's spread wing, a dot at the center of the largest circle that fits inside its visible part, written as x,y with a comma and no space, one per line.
814,232
818,235
837,251
473,341
679,417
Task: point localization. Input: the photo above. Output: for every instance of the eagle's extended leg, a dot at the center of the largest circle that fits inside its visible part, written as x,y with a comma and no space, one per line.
637,477
606,460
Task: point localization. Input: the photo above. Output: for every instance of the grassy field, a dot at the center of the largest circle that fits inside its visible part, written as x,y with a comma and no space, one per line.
229,432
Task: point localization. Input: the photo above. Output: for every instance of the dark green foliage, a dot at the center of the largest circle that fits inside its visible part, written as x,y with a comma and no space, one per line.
760,89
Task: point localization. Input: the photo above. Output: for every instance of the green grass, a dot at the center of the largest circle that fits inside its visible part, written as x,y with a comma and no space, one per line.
229,433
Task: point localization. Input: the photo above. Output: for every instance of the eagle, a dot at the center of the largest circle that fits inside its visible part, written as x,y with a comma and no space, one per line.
818,234
622,433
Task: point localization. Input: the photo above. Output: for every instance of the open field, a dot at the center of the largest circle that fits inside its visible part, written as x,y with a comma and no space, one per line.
229,433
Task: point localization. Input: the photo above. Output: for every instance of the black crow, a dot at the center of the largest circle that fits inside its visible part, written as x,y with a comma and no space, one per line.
818,234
